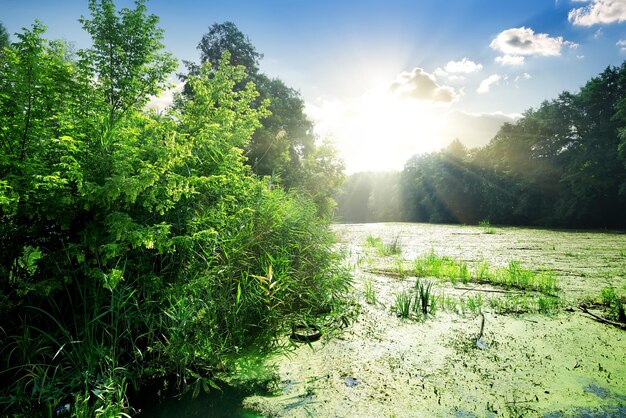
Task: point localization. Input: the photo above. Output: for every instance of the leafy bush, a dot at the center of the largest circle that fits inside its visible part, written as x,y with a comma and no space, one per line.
138,245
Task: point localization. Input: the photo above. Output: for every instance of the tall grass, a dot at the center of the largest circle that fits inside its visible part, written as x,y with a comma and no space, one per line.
384,249
442,267
100,334
486,226
514,276
418,304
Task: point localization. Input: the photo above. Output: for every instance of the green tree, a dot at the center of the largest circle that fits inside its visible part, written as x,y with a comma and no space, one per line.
126,58
226,37
4,37
284,147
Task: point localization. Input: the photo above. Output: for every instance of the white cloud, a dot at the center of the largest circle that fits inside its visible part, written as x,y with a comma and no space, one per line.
524,76
439,72
510,60
622,45
465,66
486,84
599,11
456,78
524,41
422,86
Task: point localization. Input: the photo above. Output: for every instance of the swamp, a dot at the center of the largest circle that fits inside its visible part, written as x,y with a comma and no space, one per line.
412,234
555,361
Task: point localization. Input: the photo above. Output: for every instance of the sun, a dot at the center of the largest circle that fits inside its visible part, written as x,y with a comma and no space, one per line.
379,132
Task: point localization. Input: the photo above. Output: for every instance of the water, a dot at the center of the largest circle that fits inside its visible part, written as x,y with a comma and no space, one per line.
215,404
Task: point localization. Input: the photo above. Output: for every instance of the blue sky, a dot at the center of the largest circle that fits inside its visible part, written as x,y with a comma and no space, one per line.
387,79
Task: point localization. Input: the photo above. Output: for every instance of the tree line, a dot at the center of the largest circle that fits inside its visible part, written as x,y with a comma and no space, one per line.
139,246
561,165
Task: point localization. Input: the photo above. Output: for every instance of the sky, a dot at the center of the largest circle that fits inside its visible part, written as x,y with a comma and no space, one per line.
384,80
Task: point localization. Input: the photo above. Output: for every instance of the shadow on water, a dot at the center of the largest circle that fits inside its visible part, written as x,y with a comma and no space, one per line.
616,406
215,404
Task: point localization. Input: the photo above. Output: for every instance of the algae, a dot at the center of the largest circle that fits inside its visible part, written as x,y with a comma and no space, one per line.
558,365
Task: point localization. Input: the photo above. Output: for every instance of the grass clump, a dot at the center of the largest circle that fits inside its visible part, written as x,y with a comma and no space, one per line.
425,300
487,227
614,304
417,304
442,267
370,293
514,276
384,249
403,303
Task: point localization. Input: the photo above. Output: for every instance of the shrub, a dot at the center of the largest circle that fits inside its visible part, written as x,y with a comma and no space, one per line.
139,245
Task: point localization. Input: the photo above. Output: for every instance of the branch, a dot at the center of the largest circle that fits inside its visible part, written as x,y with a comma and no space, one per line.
603,320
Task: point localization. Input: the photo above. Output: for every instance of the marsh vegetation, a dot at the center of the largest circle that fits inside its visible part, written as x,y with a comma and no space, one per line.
468,324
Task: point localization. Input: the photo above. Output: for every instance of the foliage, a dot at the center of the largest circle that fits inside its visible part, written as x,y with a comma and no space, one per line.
443,267
404,301
226,37
425,301
416,305
4,37
284,147
486,226
139,246
370,293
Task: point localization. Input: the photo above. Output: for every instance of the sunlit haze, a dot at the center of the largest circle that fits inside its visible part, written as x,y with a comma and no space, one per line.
386,80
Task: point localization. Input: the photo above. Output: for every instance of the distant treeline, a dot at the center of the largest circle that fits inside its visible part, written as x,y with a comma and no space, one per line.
563,164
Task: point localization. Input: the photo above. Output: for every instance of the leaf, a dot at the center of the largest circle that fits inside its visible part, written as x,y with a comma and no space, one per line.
196,389
213,385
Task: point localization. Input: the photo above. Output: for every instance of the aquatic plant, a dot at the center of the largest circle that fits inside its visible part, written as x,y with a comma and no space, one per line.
373,242
614,303
425,300
443,267
370,293
392,248
384,249
402,306
548,304
513,276
486,226
474,303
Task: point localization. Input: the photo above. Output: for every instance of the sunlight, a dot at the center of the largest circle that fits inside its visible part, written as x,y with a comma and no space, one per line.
379,131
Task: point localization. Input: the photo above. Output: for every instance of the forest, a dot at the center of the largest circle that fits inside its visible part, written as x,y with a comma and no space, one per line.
561,165
147,248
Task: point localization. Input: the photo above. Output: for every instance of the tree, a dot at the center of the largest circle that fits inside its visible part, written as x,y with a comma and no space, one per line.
284,148
223,37
127,57
4,37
